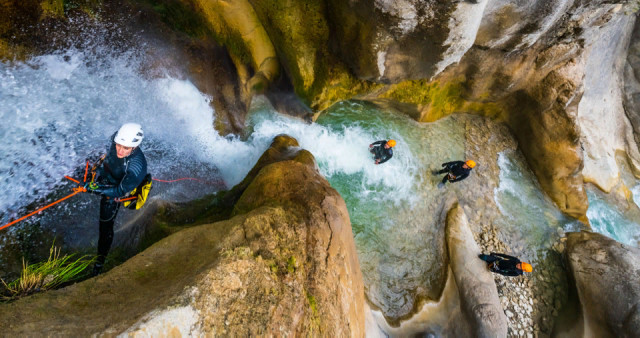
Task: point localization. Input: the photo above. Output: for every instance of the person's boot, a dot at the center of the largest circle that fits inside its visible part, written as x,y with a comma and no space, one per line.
97,269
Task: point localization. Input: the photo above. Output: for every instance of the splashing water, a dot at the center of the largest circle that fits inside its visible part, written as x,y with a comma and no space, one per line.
609,220
531,217
60,109
392,206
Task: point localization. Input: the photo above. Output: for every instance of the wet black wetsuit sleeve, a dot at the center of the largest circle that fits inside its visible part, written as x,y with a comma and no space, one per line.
100,171
134,175
510,273
386,154
379,143
459,178
505,256
459,171
508,267
452,164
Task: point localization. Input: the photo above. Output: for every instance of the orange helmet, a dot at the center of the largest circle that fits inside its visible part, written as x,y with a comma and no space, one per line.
526,267
391,143
470,163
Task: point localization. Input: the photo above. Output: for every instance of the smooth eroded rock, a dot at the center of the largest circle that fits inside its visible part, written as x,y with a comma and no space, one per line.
482,314
607,282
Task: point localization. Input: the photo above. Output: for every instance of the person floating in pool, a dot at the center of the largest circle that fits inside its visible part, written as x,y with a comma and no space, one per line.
382,151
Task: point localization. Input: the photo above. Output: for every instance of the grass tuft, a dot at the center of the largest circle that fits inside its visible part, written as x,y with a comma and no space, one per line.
55,272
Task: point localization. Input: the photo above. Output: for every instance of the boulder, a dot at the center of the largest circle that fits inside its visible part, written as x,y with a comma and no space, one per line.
481,314
606,277
284,264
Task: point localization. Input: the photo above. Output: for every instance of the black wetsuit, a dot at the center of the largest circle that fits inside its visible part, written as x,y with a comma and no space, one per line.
503,264
117,176
380,152
455,171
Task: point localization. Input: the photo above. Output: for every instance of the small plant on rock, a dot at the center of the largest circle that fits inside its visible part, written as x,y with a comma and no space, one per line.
55,272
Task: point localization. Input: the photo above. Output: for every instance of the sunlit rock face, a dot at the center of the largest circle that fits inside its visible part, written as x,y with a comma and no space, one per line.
605,127
632,82
607,286
392,41
284,264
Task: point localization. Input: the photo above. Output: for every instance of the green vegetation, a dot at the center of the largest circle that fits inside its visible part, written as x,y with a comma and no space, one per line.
442,98
291,264
52,8
181,16
438,99
315,319
312,304
88,6
55,272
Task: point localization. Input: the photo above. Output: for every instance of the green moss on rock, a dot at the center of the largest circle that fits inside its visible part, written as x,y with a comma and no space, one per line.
301,34
181,16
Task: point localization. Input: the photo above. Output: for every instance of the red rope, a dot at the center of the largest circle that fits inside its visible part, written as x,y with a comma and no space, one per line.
217,182
125,199
180,179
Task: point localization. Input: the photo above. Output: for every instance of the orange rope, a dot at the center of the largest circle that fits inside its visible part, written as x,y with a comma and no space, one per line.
75,191
67,177
86,170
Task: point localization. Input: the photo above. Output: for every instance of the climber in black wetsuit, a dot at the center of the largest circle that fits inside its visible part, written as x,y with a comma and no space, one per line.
506,265
123,168
381,150
456,170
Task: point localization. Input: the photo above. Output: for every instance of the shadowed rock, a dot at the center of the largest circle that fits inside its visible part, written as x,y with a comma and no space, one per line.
606,275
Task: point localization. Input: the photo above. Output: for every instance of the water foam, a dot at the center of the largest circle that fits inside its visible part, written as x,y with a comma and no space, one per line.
606,219
531,215
61,108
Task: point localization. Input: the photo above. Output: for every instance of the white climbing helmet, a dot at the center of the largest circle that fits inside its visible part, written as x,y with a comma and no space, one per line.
129,135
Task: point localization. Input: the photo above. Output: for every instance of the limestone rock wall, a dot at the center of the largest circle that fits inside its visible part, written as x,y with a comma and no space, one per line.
393,41
605,127
284,264
607,281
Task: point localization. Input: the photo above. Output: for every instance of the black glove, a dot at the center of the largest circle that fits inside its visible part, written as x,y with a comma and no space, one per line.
94,188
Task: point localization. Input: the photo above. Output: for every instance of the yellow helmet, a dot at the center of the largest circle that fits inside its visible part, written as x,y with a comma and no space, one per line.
391,143
470,163
526,267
